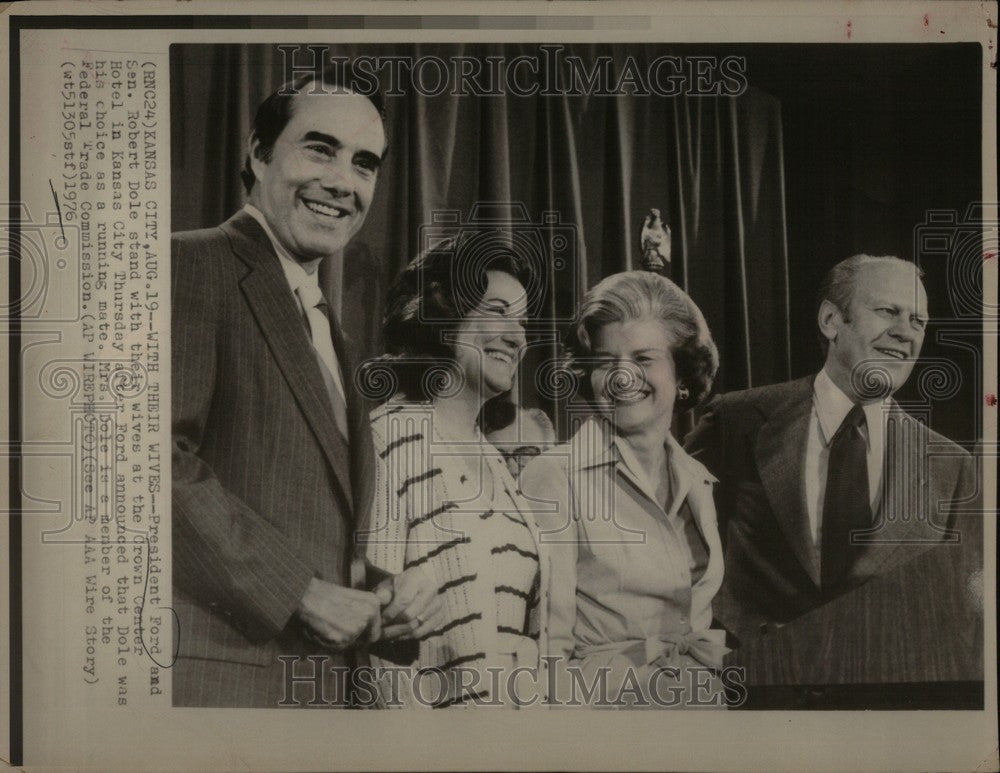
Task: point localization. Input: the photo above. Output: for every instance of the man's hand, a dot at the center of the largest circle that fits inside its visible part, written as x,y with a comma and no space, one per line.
412,606
339,616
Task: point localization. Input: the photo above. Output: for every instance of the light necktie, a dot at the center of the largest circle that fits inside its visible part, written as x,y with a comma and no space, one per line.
316,310
846,504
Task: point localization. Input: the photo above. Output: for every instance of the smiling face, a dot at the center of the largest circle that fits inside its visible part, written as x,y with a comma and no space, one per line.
316,188
634,378
888,319
491,341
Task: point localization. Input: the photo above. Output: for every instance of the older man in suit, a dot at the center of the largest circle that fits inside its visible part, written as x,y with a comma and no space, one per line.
271,451
825,481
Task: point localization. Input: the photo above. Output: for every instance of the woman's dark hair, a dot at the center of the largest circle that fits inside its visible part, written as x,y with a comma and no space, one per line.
275,112
429,299
498,413
636,295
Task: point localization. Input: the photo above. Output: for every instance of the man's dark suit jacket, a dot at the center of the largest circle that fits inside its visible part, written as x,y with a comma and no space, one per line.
754,442
265,491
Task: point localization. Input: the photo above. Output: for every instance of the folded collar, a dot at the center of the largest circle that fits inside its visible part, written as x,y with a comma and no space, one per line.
832,407
595,445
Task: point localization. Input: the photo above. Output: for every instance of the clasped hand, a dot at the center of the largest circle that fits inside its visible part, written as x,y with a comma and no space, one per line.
405,606
413,607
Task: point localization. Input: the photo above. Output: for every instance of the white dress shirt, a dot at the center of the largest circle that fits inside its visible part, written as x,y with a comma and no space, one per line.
298,274
830,408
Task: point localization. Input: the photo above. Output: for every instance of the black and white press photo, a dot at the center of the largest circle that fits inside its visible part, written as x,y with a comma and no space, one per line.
720,277
466,385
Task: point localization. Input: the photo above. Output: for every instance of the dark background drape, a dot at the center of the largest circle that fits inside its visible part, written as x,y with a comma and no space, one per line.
832,150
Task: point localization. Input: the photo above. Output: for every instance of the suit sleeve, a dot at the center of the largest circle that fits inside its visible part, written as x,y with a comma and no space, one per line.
225,555
968,499
969,490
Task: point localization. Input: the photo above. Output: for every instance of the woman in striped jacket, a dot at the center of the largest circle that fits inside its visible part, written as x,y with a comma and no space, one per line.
454,333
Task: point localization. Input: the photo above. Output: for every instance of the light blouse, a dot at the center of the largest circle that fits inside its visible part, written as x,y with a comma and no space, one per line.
633,579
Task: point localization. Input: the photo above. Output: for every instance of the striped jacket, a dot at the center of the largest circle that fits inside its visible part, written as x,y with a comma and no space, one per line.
424,513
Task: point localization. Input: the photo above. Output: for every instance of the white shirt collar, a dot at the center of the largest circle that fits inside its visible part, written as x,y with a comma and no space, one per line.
296,272
832,407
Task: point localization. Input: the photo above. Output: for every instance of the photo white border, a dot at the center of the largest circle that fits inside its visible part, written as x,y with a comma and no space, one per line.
306,740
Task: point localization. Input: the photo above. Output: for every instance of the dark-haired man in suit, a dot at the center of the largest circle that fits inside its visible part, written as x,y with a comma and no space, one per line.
271,452
804,465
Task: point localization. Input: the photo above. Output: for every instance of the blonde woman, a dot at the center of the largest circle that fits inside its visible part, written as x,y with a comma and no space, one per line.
634,541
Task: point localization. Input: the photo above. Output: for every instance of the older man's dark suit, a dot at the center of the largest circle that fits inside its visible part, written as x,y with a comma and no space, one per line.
265,491
754,442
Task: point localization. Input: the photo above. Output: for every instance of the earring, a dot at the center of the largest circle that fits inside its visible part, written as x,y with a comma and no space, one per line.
682,393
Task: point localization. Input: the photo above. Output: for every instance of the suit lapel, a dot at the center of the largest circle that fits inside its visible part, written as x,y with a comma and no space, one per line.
780,451
350,354
273,306
359,424
906,519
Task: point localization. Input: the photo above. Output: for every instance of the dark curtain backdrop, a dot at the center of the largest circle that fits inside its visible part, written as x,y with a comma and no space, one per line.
878,141
712,165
